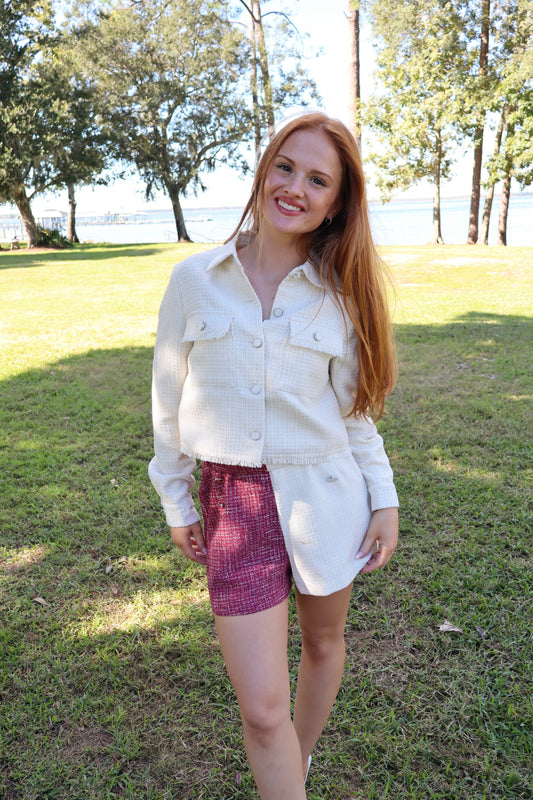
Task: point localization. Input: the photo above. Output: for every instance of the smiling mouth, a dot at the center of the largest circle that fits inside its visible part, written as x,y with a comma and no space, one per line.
288,206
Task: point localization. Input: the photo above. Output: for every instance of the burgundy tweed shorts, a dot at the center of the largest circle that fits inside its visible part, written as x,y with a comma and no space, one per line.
248,569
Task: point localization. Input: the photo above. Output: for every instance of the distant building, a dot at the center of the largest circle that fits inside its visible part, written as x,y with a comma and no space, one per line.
10,227
52,219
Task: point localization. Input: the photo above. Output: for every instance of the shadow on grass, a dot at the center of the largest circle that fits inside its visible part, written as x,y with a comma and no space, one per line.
115,688
82,252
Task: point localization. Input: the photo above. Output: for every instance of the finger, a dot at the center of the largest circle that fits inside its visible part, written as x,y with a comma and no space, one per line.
199,539
368,546
378,560
186,540
189,550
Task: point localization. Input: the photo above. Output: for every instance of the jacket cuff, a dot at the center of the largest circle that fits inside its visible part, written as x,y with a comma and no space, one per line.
181,516
385,498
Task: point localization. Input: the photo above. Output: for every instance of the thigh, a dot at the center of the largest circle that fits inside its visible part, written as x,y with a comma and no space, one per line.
254,648
323,617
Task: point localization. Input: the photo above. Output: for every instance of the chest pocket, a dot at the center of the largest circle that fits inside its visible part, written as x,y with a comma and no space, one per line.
305,360
212,355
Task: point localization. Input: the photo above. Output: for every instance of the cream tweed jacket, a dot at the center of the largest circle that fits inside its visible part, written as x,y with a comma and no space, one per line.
233,388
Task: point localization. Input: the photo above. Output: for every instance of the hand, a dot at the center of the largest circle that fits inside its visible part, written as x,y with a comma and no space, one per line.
381,538
190,541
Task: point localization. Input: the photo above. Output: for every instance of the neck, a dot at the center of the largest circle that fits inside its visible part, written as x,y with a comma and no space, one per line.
275,256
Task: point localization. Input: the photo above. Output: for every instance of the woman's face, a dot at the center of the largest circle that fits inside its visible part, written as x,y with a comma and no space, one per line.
303,184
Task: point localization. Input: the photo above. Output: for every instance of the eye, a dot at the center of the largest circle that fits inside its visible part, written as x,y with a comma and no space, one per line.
283,167
318,181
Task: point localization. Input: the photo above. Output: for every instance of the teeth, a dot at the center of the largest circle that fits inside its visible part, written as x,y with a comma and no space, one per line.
288,206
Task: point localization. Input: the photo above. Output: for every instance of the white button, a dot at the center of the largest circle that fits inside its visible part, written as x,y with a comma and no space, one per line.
316,336
278,312
331,478
256,435
257,342
255,389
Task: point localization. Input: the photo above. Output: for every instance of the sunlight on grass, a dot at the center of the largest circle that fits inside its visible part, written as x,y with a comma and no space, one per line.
145,611
54,306
24,557
454,468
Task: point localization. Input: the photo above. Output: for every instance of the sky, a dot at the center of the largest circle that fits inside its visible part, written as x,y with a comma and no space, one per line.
326,24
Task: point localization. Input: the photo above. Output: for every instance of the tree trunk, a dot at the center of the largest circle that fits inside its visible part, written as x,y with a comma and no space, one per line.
476,186
436,237
263,62
483,237
28,220
484,234
355,71
72,236
504,210
478,133
256,111
181,230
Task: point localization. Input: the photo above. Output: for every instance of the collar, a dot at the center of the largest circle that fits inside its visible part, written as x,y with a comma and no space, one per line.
229,251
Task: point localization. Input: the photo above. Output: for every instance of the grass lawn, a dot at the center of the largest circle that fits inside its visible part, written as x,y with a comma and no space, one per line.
111,681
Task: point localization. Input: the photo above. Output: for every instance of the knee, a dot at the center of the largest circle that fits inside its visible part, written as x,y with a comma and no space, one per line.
263,718
321,646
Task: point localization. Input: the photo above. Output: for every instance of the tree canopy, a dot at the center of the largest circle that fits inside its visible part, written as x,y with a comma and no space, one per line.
415,113
30,107
447,69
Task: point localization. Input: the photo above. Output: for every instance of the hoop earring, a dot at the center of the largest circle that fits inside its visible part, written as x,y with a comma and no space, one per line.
328,220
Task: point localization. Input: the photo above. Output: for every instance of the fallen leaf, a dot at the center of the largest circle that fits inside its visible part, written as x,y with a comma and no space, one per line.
40,600
448,626
108,569
481,632
122,559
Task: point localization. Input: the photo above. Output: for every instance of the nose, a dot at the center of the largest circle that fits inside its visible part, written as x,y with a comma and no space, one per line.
295,185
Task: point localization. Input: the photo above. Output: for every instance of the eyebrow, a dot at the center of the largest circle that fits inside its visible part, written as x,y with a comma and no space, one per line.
279,154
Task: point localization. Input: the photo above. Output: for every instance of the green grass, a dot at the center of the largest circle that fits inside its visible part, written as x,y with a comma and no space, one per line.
111,681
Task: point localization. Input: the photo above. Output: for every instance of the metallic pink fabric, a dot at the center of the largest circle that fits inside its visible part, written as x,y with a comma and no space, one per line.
248,569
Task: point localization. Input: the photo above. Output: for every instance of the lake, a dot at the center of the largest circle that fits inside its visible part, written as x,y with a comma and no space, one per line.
398,222
406,222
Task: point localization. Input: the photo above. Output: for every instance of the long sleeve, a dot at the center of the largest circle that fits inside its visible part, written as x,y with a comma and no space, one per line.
171,470
365,442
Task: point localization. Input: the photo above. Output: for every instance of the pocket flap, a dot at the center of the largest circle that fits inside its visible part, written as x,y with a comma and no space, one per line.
316,336
201,326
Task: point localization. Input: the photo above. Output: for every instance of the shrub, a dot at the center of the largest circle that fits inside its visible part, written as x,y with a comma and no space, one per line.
52,238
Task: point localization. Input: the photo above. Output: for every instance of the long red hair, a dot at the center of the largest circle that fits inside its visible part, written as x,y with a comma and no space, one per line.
345,257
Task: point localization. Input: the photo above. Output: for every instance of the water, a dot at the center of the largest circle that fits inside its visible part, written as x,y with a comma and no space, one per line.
203,225
410,222
399,222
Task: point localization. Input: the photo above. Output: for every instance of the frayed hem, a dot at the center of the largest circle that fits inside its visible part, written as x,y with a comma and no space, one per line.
269,461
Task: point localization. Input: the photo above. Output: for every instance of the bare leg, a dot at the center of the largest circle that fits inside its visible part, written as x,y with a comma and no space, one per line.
254,648
322,620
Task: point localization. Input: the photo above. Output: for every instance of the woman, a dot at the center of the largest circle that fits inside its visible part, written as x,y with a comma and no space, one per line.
272,352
